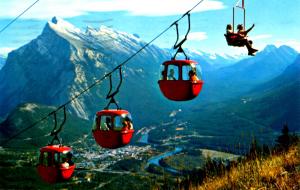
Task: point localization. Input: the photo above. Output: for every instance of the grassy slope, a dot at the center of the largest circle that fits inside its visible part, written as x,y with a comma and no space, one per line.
275,172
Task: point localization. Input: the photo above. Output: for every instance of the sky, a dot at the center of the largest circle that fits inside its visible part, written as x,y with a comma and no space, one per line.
276,21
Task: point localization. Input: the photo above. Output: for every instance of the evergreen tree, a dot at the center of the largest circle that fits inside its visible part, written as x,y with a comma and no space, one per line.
255,150
285,140
266,150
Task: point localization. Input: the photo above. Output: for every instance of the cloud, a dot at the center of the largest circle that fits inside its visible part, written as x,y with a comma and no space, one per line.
46,9
197,36
261,36
5,50
97,21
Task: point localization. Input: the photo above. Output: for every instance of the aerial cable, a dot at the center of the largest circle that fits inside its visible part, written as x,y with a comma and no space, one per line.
101,79
4,28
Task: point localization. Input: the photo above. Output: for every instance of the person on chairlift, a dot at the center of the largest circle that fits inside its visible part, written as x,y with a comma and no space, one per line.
241,37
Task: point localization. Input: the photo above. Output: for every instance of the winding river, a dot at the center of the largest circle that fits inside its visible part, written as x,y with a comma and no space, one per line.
206,152
155,159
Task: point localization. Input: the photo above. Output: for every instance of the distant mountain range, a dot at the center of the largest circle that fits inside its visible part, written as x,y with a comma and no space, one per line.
278,100
210,61
238,79
257,113
63,61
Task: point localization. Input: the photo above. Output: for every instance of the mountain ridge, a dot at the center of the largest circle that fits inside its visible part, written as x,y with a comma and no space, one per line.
246,74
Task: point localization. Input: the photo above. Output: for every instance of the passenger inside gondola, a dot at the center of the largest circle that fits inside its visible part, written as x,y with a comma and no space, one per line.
171,75
108,123
69,159
127,125
64,163
193,76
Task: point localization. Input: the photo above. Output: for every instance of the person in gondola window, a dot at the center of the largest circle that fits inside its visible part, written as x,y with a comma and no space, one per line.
69,159
108,123
171,75
127,124
193,76
64,163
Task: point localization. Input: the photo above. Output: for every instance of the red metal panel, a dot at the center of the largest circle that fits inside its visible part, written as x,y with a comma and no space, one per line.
179,62
112,112
180,90
66,173
113,139
56,148
48,173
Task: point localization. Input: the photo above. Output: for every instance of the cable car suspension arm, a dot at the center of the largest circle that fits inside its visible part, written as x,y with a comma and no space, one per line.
55,131
111,95
178,45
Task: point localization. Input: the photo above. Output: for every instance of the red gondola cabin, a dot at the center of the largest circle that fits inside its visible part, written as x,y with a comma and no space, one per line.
177,82
113,128
55,163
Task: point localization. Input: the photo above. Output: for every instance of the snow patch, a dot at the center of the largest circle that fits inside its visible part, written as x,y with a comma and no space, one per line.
80,74
29,107
79,108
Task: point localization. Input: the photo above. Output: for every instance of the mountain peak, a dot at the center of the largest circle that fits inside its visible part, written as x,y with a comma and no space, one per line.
287,49
61,26
279,51
54,20
270,48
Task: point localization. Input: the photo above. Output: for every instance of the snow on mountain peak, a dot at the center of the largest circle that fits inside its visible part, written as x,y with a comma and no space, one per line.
272,50
62,26
66,29
113,33
93,38
63,29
